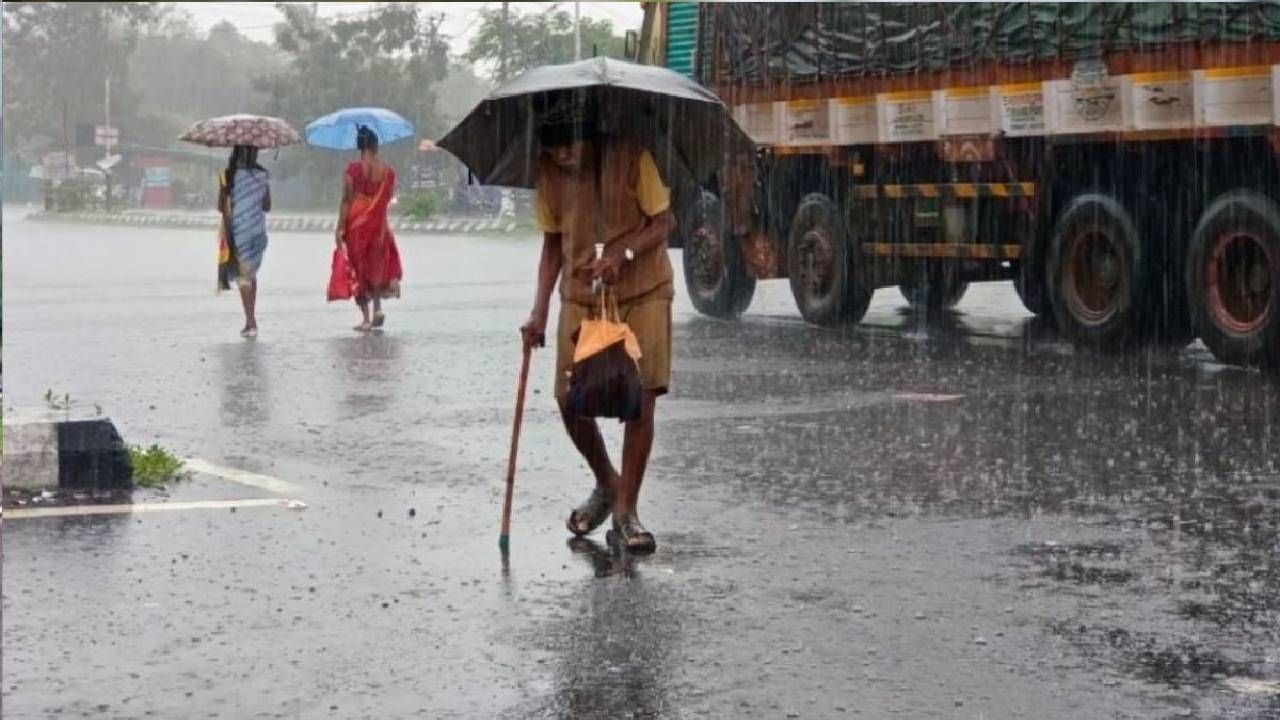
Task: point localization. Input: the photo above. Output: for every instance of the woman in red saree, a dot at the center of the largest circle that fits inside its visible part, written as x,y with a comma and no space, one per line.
368,186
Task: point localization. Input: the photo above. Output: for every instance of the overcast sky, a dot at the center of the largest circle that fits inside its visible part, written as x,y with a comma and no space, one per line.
256,19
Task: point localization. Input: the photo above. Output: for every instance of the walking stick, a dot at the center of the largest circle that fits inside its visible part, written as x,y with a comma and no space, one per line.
504,538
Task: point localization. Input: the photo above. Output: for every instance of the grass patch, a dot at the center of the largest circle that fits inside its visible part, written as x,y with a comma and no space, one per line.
154,466
420,205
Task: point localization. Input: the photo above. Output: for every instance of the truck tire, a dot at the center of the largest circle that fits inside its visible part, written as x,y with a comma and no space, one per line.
715,273
822,262
1096,272
933,294
1233,278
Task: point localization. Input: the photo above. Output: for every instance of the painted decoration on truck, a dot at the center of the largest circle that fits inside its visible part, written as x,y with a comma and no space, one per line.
1233,96
759,121
1092,92
965,111
1090,101
806,122
1020,109
1162,100
855,120
907,116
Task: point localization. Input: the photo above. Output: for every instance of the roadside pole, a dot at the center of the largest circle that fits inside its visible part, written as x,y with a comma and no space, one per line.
108,144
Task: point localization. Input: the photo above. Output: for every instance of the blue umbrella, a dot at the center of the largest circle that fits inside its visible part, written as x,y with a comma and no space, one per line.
337,131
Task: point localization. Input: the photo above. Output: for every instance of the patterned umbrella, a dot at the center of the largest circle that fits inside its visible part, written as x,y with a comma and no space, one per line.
254,130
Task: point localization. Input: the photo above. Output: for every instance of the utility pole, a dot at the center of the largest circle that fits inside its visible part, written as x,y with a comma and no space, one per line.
506,31
109,138
66,142
577,31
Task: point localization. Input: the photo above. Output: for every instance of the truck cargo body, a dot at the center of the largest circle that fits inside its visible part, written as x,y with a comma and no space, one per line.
1116,161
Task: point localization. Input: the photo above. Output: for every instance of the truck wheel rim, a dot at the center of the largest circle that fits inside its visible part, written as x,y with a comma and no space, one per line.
1095,276
708,256
1240,293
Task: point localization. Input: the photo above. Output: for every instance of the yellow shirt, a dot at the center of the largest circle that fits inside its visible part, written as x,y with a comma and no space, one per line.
633,191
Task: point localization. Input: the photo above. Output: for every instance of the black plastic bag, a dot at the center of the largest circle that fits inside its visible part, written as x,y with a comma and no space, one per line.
606,384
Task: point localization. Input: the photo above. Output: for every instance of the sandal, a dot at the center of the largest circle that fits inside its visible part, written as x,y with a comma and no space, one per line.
632,535
592,513
379,319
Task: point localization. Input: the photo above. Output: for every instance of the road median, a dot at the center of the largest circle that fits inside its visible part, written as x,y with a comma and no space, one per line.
49,451
286,223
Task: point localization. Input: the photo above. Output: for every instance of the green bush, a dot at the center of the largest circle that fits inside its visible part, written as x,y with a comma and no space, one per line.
72,195
154,466
419,205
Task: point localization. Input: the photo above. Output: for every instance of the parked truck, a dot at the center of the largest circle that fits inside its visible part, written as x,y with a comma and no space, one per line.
1118,162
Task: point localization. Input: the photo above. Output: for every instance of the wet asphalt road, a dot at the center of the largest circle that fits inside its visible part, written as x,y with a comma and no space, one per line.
964,519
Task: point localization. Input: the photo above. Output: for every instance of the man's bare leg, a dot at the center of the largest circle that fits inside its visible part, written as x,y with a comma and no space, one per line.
585,434
586,437
637,442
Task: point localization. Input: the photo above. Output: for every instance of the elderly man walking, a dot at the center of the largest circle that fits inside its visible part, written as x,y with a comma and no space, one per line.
587,183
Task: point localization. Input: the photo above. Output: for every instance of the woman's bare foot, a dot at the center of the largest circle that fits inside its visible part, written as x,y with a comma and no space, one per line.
250,330
363,327
379,319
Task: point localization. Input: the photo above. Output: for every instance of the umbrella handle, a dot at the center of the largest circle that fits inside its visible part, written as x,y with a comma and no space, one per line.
505,534
596,285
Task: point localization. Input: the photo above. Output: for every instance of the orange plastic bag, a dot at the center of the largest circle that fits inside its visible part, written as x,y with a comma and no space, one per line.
604,380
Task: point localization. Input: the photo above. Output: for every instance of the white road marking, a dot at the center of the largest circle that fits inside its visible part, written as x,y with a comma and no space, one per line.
243,477
126,509
926,397
1253,687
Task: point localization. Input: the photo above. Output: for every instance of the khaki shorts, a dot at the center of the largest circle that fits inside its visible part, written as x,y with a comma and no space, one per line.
649,318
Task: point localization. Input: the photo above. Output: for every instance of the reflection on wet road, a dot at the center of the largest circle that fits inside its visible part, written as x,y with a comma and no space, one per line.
955,518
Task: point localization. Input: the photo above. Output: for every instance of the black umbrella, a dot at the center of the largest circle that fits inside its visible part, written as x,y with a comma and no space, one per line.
685,125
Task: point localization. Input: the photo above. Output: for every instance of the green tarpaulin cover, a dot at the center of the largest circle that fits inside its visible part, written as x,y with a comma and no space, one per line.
808,41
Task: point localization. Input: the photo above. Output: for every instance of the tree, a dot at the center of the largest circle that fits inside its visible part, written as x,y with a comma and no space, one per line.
57,58
460,91
176,21
390,57
183,77
533,39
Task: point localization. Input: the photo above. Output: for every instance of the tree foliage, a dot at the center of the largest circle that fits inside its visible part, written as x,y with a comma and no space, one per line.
460,91
539,38
57,57
166,73
390,57
182,77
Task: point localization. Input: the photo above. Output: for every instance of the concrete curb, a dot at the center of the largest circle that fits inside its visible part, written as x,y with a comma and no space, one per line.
50,452
276,224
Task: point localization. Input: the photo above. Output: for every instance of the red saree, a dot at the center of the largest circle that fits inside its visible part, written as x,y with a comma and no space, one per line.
371,247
